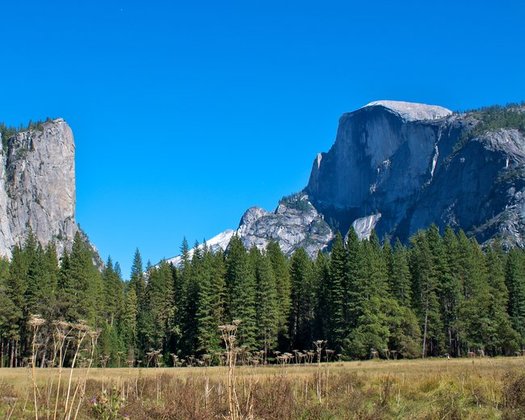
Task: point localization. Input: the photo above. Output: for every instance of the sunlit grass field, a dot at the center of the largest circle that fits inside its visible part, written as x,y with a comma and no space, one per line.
418,389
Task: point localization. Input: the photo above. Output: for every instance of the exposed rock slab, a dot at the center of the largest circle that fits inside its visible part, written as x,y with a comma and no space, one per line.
37,187
416,165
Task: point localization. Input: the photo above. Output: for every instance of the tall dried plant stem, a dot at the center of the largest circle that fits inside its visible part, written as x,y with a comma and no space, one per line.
319,348
82,386
62,330
60,366
228,333
33,372
35,322
81,334
58,385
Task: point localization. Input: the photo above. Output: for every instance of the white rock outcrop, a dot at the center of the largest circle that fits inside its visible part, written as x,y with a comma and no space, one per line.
411,111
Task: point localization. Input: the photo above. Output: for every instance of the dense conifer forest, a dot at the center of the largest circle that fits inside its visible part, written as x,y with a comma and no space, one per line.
442,295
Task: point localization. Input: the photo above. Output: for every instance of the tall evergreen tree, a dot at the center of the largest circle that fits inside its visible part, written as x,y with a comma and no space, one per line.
322,275
425,295
128,323
474,311
502,339
281,273
303,300
399,275
372,304
210,306
82,285
113,293
448,261
159,293
10,316
137,280
515,280
241,293
266,304
338,289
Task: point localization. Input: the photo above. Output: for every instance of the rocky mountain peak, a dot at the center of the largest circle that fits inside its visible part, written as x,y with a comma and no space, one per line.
411,111
397,167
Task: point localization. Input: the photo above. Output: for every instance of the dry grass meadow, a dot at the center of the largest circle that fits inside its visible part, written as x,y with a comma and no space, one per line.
379,389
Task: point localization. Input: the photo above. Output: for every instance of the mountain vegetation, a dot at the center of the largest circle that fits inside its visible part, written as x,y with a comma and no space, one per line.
440,295
6,132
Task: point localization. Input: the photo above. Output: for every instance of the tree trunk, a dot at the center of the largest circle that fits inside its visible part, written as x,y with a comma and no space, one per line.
425,334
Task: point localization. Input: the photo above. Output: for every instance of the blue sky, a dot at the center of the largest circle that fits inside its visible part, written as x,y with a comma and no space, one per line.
187,113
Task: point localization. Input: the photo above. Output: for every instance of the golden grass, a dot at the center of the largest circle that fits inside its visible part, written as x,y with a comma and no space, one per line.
418,389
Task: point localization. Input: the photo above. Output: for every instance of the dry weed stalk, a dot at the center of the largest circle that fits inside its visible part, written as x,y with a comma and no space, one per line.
81,385
35,322
319,344
82,331
228,333
61,333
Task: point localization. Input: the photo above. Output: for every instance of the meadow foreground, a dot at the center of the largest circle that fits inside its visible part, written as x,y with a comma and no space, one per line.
415,389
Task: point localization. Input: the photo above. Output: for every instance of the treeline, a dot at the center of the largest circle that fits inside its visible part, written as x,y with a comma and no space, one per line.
441,294
6,132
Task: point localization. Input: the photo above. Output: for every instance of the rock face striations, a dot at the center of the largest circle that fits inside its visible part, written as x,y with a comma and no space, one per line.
398,167
37,186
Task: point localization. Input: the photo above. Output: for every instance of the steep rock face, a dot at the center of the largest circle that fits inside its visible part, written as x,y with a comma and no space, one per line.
414,165
480,189
398,167
37,187
294,224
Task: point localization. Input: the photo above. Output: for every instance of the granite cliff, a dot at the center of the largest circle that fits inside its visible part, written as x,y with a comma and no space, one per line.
398,167
37,186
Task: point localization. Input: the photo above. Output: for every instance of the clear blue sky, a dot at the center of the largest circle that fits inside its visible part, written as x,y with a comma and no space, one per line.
187,113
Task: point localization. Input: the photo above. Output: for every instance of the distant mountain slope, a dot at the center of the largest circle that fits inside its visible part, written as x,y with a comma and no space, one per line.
397,167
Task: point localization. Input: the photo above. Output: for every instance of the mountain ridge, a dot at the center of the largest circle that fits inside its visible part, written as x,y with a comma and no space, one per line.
397,167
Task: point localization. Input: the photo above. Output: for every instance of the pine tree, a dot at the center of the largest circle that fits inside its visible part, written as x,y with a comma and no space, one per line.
137,280
128,323
356,282
399,275
82,285
281,273
266,304
209,314
159,293
113,293
425,295
474,311
448,262
241,293
502,339
10,316
39,292
372,304
322,276
52,272
515,280
303,300
337,294
191,274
